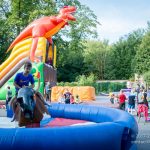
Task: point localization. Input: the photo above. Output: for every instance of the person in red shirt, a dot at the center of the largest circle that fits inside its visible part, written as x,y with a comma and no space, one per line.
122,99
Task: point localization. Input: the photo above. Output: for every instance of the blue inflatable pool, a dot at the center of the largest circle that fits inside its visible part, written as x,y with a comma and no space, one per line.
114,130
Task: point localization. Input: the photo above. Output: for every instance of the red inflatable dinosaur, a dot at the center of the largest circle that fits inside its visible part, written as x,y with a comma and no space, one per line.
45,27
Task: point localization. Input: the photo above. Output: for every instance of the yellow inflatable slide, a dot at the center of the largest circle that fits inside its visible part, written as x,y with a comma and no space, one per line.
20,54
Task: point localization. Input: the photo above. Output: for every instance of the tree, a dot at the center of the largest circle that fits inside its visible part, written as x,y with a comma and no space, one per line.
69,41
95,57
147,77
4,40
70,63
16,15
142,58
122,56
23,12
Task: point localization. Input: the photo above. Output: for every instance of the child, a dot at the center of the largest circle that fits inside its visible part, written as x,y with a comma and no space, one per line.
112,96
72,99
22,79
115,99
61,98
77,99
8,95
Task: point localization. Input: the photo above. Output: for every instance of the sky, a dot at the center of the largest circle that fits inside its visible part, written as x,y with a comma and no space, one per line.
119,17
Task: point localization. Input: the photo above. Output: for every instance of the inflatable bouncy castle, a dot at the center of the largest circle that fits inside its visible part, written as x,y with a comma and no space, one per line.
19,56
35,44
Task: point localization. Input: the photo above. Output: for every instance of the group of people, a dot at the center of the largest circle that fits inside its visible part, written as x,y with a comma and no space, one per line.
68,98
135,97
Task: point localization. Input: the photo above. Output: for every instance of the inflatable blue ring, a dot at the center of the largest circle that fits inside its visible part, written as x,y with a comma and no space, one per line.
114,129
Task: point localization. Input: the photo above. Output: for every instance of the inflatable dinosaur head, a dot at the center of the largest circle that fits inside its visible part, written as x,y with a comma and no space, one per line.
66,13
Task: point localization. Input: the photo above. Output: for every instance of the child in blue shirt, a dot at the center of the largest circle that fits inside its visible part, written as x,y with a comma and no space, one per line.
22,79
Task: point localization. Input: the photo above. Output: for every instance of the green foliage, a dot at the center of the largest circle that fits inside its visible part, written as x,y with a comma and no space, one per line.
83,80
4,39
22,12
95,56
17,14
142,58
120,64
3,43
77,56
147,77
70,62
110,87
67,84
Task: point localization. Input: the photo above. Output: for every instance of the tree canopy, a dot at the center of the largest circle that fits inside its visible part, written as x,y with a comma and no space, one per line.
142,57
79,52
121,59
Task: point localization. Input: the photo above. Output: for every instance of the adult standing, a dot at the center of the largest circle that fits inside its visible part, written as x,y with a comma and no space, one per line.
67,96
131,102
48,91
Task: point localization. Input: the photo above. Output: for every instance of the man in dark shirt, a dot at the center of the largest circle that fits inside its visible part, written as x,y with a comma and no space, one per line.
131,103
67,96
22,80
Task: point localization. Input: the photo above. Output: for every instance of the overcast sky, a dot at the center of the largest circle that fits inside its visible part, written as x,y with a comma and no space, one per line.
119,17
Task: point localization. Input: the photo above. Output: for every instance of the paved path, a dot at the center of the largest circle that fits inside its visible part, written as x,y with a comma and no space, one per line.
143,138
6,123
